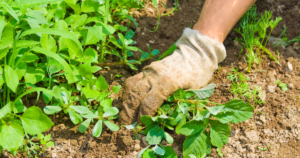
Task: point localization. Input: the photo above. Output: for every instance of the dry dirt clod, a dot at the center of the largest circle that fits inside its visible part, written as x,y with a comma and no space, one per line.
253,136
288,67
137,147
290,85
271,89
262,118
296,46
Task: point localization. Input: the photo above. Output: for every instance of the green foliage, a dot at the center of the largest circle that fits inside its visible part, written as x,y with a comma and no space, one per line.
60,45
241,88
253,31
192,118
281,85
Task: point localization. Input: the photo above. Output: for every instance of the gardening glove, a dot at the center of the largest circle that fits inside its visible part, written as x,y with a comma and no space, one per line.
191,66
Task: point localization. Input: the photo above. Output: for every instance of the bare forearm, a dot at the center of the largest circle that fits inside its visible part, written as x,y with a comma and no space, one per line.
219,16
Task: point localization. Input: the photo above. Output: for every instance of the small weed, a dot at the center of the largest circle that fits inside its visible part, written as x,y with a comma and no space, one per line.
118,75
241,88
263,149
281,85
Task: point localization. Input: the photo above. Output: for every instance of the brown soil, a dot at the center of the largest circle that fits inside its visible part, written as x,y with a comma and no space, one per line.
275,123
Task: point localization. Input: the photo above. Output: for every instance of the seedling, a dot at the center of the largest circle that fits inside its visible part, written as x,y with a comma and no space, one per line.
281,85
263,149
253,30
191,118
241,88
37,147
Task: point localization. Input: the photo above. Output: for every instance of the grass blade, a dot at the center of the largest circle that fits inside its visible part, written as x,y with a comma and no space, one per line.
9,10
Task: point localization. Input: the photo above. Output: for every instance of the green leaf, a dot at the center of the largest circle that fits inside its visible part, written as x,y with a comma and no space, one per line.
2,80
181,123
92,35
129,34
133,67
85,70
146,119
196,145
34,121
158,150
130,127
61,25
116,89
49,144
48,42
235,111
101,83
204,92
84,126
30,57
11,136
193,127
111,125
34,75
47,137
75,118
90,55
6,110
89,6
215,109
155,52
2,24
11,78
155,135
19,107
219,133
54,66
70,77
96,69
26,43
51,31
111,112
20,69
88,115
169,138
169,152
97,129
9,10
89,93
149,154
80,109
30,3
142,151
49,110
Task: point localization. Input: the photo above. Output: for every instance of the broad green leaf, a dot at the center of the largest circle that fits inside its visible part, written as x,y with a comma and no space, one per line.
11,78
84,126
158,150
215,109
75,118
90,55
92,35
19,107
9,10
130,127
21,69
155,52
146,119
89,6
90,114
51,31
179,94
80,109
89,93
2,80
34,121
169,138
204,92
116,89
155,135
2,24
101,83
70,77
111,125
208,143
33,25
235,111
149,154
85,70
54,66
111,112
193,127
11,136
49,110
142,151
30,57
196,145
26,43
169,152
202,115
34,75
96,69
6,110
106,29
73,5
61,25
129,34
7,36
219,133
48,42
38,16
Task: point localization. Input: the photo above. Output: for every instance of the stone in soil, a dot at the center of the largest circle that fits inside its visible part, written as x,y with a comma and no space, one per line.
288,67
271,89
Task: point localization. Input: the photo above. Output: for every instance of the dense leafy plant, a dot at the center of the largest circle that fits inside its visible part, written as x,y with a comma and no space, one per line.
203,125
241,88
253,30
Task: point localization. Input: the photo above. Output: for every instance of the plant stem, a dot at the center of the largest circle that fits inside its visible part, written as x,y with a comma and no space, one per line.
110,64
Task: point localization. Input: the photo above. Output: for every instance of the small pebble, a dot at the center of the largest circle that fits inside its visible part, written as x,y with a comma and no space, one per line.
290,85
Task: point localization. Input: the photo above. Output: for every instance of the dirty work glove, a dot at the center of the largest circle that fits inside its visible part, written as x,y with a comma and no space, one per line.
191,66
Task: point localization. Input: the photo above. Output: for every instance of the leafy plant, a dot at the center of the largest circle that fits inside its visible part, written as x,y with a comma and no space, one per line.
253,30
281,85
192,118
241,88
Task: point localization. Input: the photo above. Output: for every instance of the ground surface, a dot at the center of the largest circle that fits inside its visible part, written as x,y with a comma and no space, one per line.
275,123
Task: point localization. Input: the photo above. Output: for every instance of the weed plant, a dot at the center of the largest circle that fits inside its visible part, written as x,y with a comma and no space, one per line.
204,123
254,37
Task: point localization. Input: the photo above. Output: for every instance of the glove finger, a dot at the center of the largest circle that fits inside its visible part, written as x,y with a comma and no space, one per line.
134,91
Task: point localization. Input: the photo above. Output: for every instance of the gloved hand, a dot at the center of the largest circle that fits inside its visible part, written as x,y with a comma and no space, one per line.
191,66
